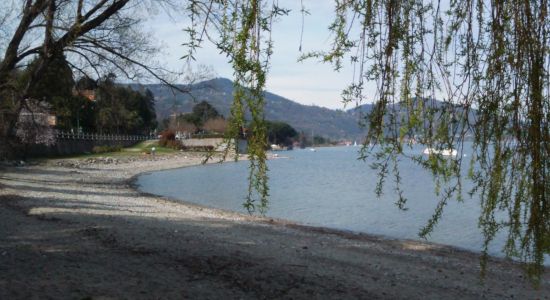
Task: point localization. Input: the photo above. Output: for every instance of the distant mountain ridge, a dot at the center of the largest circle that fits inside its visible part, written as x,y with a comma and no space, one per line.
312,120
438,107
334,124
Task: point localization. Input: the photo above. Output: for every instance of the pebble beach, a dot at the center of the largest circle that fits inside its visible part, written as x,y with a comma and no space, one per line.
79,229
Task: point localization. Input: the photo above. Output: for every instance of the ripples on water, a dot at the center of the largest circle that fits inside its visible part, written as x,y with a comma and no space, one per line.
330,188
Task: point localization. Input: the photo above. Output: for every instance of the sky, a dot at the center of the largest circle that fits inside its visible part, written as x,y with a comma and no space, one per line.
309,82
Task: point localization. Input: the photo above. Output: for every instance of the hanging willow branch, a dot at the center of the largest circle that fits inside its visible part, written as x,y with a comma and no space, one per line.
488,62
245,28
445,73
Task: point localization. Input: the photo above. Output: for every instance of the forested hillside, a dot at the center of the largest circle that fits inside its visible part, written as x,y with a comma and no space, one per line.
334,124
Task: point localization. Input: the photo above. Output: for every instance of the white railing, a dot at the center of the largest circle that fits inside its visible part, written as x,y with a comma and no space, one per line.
68,135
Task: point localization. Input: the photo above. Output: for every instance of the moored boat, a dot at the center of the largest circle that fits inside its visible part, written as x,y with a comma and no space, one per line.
443,152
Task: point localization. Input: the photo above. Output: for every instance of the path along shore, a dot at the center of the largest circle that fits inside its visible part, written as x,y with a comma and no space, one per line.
71,230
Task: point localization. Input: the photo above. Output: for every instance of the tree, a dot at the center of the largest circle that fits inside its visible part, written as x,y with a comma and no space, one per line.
92,37
147,109
85,83
84,114
242,29
55,82
180,125
319,140
280,133
217,125
121,109
488,59
190,118
203,112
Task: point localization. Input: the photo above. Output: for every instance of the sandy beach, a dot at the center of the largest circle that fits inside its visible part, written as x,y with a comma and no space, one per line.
79,230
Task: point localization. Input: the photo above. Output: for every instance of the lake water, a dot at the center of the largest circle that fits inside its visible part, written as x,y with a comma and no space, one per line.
330,188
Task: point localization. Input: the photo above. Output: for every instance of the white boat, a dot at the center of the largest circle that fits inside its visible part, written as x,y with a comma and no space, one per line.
275,147
443,152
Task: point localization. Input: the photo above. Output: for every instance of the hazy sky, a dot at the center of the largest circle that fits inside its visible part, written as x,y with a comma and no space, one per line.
307,82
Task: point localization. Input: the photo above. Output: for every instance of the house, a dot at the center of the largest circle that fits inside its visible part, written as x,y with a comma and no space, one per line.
37,112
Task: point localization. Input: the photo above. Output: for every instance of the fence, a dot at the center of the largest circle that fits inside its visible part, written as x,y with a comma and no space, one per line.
67,135
71,143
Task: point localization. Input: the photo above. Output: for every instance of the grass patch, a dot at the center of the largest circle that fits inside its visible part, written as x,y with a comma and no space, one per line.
106,149
142,148
145,147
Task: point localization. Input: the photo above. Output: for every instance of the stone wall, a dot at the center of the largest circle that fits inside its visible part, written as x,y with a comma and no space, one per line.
216,143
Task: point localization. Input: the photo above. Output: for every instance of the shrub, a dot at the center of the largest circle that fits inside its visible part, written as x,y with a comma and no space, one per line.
173,144
167,136
198,148
182,126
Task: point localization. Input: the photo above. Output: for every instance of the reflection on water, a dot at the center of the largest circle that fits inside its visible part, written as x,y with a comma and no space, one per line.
330,188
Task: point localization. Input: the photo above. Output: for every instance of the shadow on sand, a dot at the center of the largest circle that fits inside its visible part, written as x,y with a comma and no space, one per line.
57,245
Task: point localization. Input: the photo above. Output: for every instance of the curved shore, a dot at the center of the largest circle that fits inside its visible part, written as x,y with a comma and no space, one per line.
73,230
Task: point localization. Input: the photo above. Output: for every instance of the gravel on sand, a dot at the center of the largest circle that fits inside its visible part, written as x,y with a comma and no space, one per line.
73,229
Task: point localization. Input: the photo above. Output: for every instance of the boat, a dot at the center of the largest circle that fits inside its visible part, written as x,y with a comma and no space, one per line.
442,152
276,147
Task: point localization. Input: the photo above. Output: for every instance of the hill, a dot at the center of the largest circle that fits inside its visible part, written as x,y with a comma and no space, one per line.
438,107
334,124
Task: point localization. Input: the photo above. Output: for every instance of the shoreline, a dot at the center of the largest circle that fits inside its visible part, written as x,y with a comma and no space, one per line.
216,250
348,234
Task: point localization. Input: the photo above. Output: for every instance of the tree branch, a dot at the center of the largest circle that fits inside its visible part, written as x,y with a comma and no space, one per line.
30,13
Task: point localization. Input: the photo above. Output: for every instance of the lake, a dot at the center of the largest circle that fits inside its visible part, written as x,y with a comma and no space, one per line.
331,188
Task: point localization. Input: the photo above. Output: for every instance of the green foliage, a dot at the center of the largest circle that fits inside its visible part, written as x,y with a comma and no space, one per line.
119,109
319,140
245,38
201,113
106,149
486,58
219,91
280,133
56,81
204,112
190,118
146,148
55,87
85,83
489,63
